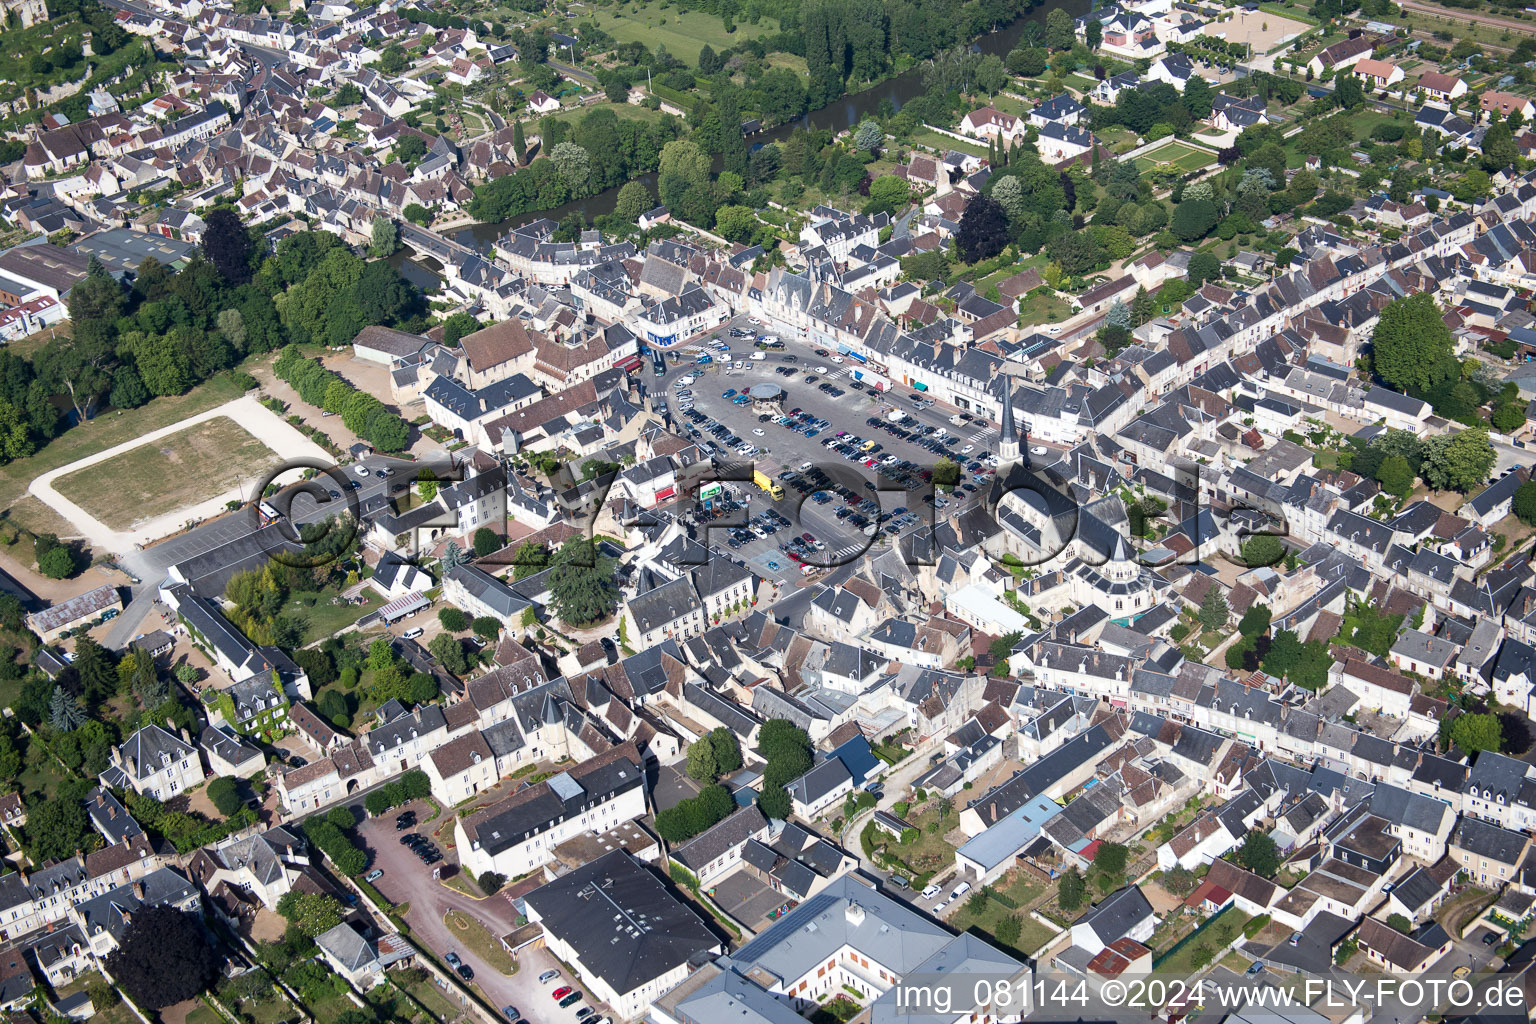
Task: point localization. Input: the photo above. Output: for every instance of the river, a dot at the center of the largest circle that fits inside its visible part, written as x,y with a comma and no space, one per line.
838,116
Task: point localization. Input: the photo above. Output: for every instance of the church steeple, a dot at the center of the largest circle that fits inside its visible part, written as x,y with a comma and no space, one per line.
1008,434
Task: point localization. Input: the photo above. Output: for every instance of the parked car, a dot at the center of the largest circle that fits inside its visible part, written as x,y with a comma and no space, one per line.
374,875
451,959
561,992
510,1012
466,972
548,976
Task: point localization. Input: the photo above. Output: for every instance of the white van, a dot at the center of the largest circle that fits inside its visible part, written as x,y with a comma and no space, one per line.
956,420
412,633
960,890
759,356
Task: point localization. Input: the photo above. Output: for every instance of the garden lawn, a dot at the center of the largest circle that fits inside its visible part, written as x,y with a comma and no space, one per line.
683,33
1181,154
1043,306
934,140
1032,934
327,616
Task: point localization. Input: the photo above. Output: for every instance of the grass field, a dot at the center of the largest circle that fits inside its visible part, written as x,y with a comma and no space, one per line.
624,111
485,945
683,33
1180,154
934,140
189,466
112,429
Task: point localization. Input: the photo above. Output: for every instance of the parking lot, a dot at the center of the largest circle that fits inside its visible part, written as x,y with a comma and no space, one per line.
849,492
407,880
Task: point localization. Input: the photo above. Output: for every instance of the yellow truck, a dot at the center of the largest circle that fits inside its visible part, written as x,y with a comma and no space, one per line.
767,483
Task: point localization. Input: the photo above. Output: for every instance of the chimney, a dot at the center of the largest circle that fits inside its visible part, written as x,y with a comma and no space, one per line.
138,891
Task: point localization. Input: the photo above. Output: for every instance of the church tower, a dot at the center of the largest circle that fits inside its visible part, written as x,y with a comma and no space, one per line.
1008,448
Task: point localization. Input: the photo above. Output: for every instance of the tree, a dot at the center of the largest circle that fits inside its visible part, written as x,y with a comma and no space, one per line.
1203,267
633,200
727,750
1179,880
983,229
1400,922
1259,854
227,245
341,818
1255,620
1002,648
1411,347
58,563
312,913
224,791
164,958
64,711
486,542
1474,733
452,619
386,237
1459,463
575,166
1395,476
96,668
1262,549
869,136
519,146
1193,219
486,627
1197,97
1110,862
774,802
1027,61
581,583
1525,502
1093,35
888,194
56,828
1213,609
1070,890
449,652
702,765
490,882
1347,91
1058,29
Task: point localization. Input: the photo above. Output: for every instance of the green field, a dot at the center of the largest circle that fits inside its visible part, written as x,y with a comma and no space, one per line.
683,33
174,472
1181,154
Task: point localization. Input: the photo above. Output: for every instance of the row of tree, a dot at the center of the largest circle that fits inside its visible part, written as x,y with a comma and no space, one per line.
362,413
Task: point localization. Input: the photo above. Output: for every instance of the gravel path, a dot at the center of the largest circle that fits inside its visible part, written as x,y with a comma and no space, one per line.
263,424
